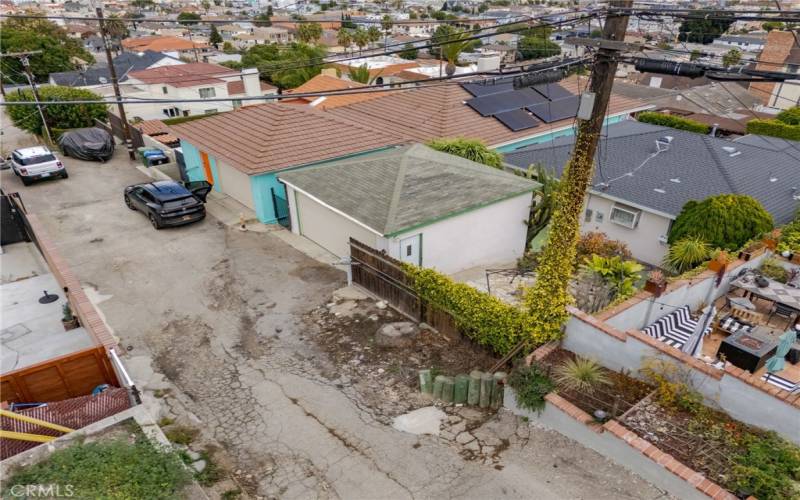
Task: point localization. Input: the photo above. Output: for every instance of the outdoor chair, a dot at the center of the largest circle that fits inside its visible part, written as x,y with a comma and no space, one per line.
673,329
783,311
781,383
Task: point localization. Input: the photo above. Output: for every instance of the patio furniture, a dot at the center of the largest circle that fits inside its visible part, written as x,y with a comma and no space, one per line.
775,291
782,383
739,302
673,329
748,350
783,311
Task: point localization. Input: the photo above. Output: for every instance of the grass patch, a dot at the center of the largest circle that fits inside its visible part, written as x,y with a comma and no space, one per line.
181,435
231,494
165,421
115,469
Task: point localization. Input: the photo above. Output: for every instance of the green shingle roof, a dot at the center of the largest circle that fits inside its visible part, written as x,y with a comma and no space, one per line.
395,190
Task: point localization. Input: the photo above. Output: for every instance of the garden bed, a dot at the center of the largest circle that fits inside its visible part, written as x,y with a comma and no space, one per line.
616,398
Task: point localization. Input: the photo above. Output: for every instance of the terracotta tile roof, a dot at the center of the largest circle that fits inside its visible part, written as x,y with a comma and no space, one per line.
158,43
270,137
237,87
166,139
385,71
322,83
184,75
780,49
152,127
431,112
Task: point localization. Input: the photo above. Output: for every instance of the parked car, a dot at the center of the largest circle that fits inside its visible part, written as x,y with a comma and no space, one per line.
168,203
92,144
36,162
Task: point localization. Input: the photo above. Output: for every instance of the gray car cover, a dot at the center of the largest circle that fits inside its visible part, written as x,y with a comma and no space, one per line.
87,144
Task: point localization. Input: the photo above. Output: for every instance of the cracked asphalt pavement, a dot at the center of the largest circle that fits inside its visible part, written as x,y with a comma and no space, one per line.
213,318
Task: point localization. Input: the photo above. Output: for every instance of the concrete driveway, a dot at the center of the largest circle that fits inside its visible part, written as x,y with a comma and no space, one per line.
213,318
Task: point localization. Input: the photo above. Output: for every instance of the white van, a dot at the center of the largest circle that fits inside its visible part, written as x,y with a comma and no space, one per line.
36,162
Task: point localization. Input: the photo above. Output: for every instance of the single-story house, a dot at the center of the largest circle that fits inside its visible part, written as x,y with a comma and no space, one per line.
240,152
98,75
644,175
419,205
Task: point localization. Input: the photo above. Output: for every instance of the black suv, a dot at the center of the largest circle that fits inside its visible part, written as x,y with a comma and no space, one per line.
169,203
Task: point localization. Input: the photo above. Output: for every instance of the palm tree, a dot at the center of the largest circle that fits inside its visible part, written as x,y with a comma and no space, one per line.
361,74
360,38
456,44
373,34
344,39
386,24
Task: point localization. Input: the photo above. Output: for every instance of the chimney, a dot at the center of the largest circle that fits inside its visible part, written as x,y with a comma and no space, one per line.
252,87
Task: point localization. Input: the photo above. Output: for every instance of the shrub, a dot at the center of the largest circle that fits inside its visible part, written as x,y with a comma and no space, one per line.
771,268
581,375
597,243
672,121
621,275
687,254
108,469
724,221
485,319
59,116
531,384
769,468
181,435
774,128
789,116
790,237
184,119
471,149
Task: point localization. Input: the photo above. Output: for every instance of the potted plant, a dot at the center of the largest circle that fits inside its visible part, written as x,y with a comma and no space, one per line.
771,238
656,283
68,320
720,262
753,249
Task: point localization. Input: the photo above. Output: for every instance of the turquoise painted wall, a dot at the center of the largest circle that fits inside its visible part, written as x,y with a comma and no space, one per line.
194,165
263,186
552,135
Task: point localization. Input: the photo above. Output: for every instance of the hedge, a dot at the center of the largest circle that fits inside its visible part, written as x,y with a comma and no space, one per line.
184,119
675,122
774,128
485,319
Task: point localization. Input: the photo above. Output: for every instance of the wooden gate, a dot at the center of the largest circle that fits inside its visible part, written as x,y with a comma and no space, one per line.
115,123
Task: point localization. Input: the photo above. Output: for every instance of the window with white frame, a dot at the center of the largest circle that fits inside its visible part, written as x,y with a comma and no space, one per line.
625,216
207,92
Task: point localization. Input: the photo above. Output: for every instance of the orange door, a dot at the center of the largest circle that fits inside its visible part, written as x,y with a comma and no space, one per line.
207,167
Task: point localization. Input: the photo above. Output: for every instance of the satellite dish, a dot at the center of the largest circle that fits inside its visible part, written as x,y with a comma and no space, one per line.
103,79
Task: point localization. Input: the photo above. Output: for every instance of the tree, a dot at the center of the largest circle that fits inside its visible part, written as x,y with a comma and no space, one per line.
471,149
344,39
57,50
386,25
116,28
542,210
725,221
228,48
262,21
701,30
188,18
205,4
409,51
361,74
535,47
731,58
451,51
373,34
286,67
270,13
63,116
447,33
215,38
309,32
360,38
772,25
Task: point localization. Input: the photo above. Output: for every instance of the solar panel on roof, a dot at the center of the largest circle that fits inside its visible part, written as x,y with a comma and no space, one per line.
517,119
552,91
554,111
481,89
492,104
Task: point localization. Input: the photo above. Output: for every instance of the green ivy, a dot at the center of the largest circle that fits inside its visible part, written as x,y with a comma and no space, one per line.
774,128
790,237
672,121
769,469
485,319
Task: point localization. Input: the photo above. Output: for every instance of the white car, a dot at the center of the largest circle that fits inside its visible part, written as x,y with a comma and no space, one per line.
36,162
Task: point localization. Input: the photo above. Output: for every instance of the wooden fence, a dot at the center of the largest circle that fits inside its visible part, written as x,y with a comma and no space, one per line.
384,276
69,376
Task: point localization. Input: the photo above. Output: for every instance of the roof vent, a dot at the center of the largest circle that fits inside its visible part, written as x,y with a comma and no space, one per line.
731,151
662,143
102,79
660,190
675,180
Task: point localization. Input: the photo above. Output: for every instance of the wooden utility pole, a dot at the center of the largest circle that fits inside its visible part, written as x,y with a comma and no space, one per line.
126,131
549,297
26,65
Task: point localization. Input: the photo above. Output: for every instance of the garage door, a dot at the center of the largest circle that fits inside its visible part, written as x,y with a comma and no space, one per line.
328,229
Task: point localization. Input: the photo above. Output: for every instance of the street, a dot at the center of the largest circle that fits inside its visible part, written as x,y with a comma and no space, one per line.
212,321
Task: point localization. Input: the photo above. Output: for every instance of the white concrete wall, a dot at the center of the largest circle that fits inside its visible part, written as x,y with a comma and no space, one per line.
607,445
325,227
235,184
643,240
486,236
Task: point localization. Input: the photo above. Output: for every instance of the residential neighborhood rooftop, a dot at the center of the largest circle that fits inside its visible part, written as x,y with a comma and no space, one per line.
692,167
404,187
159,43
324,83
99,74
185,75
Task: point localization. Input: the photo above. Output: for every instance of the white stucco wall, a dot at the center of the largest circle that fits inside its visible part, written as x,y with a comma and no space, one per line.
235,184
323,226
643,241
489,235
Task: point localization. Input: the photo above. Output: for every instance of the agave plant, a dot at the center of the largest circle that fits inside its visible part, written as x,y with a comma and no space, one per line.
580,375
687,253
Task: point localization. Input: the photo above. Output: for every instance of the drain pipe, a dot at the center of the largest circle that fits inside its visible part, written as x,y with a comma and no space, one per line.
714,128
126,379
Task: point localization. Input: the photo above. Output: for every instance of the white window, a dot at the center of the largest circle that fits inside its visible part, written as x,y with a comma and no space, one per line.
206,93
625,216
171,112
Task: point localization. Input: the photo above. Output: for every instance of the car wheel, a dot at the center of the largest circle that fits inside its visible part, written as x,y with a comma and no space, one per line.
154,221
25,180
64,175
128,203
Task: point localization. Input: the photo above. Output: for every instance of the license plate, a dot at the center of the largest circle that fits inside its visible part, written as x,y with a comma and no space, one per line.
46,174
186,217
